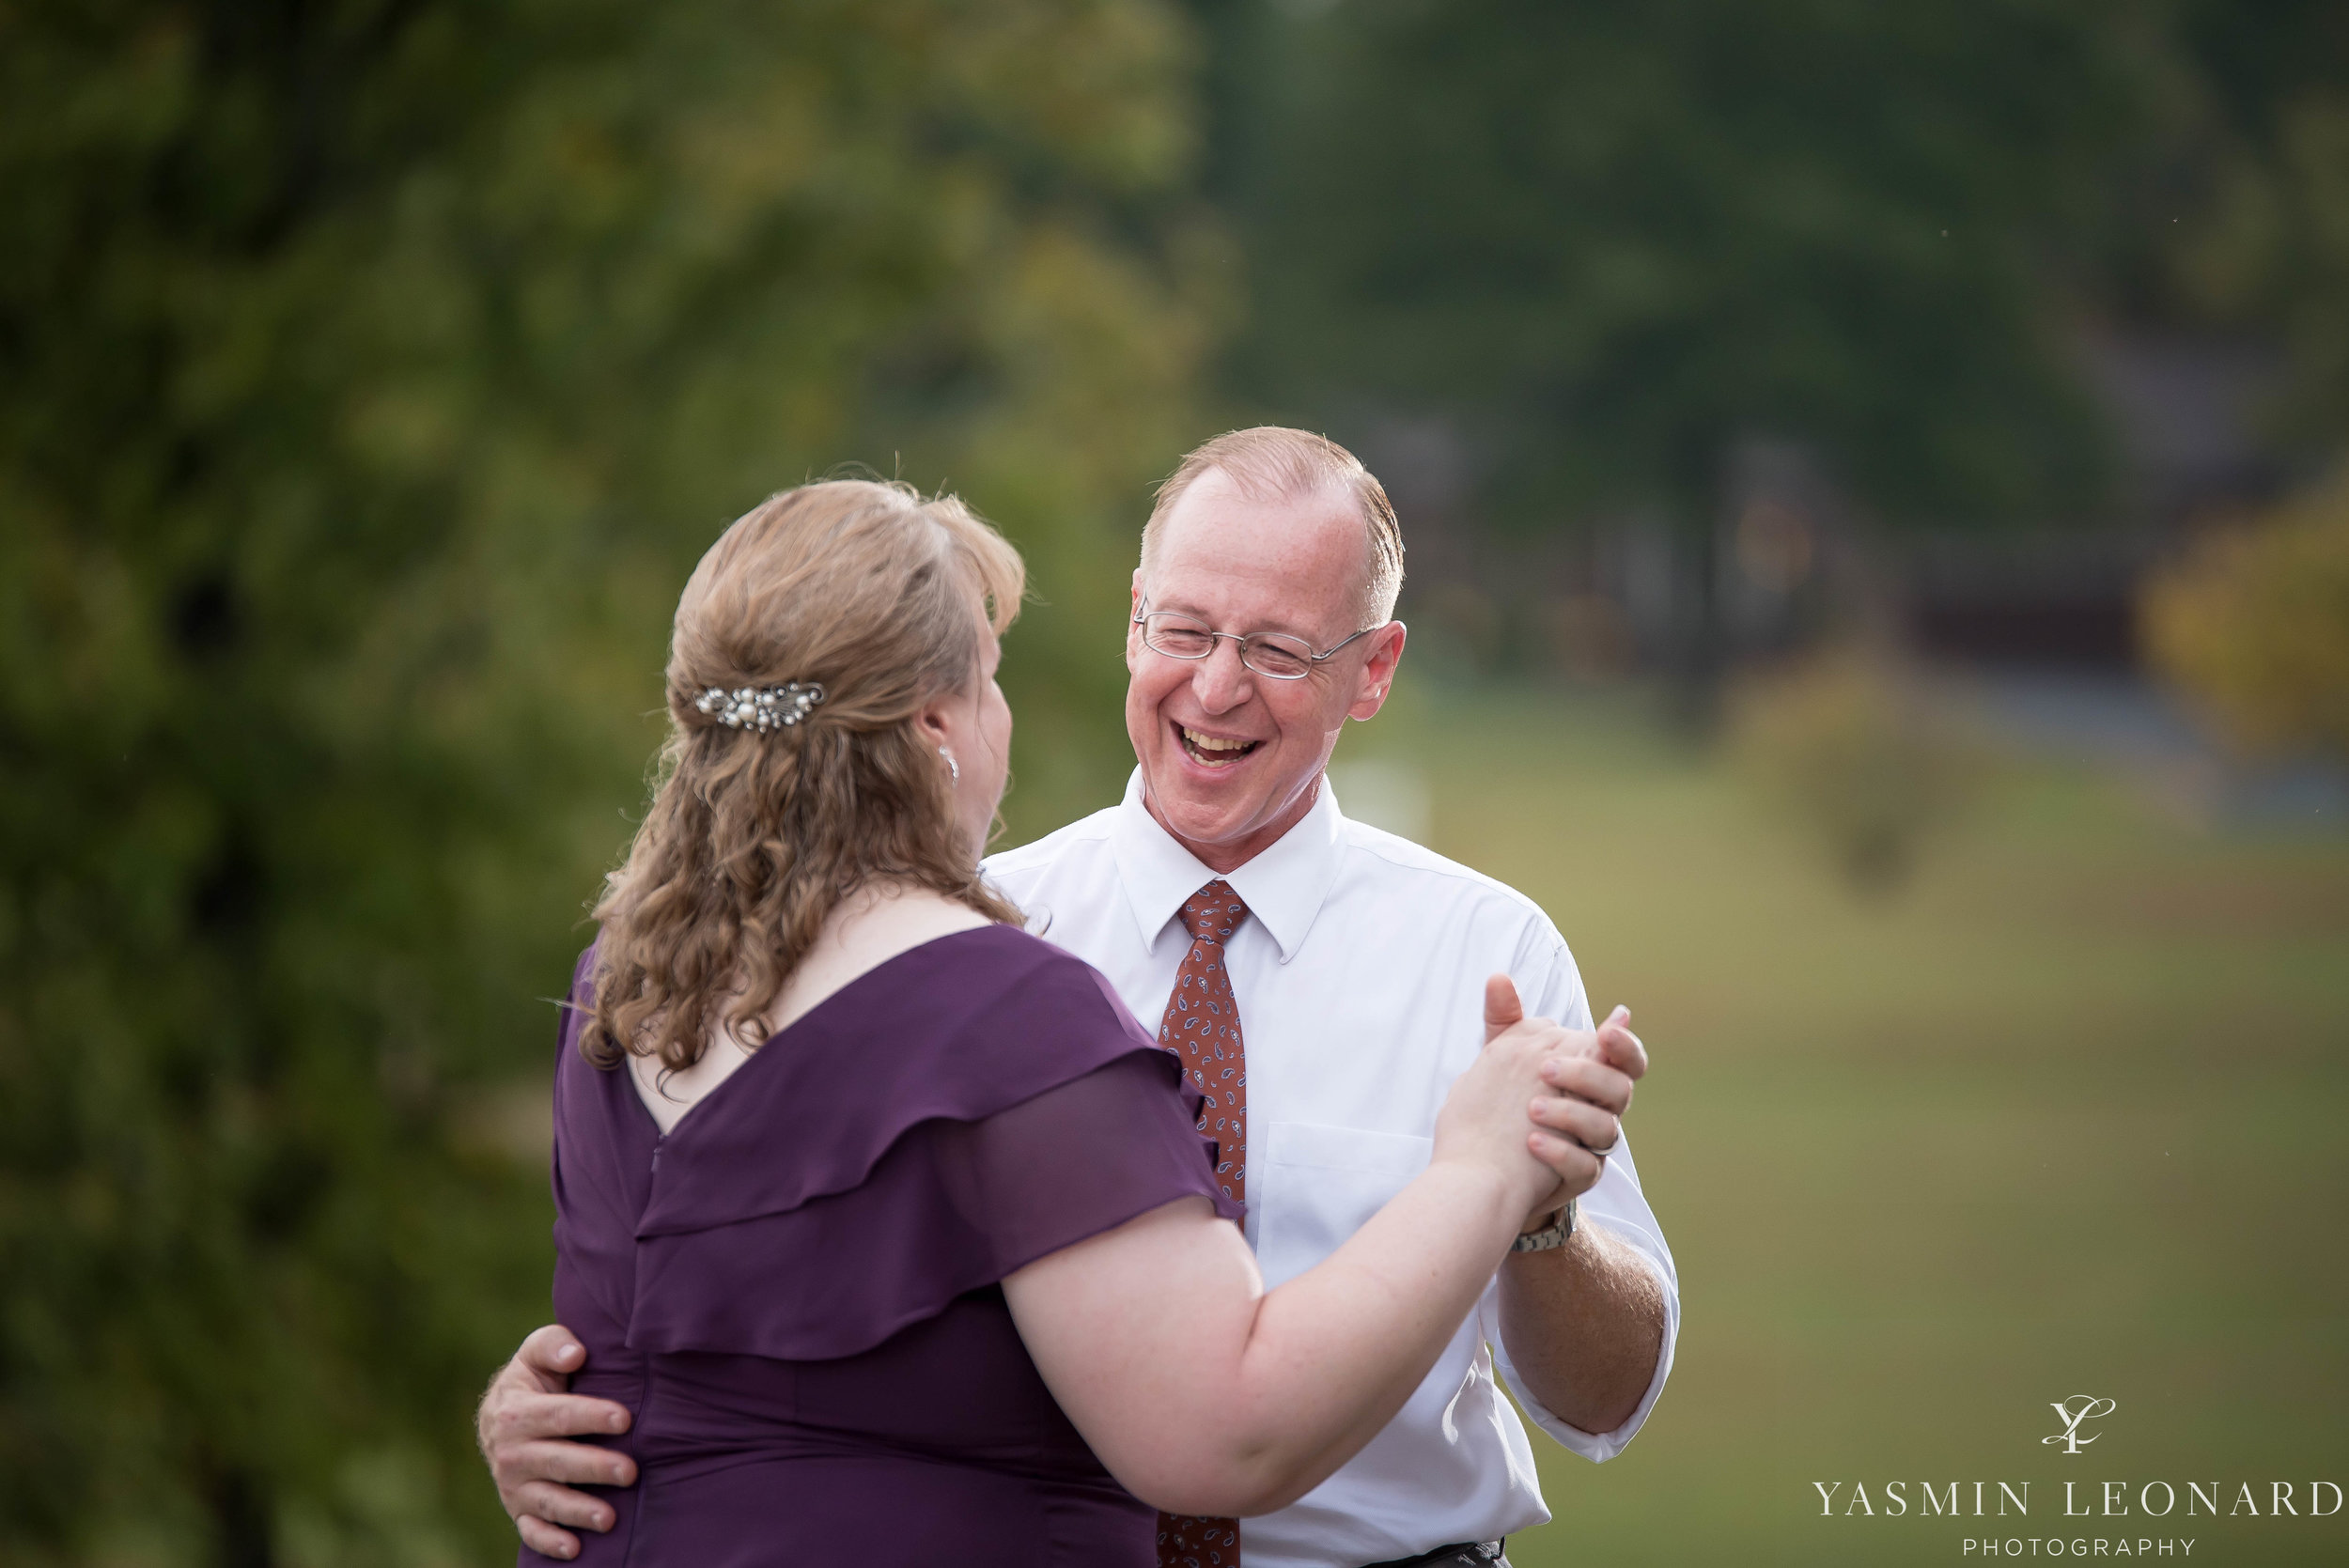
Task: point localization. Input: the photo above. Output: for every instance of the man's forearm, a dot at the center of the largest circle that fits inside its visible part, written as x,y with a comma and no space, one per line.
1584,1327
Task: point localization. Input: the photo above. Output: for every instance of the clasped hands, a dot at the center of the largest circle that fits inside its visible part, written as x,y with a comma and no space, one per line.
1590,1075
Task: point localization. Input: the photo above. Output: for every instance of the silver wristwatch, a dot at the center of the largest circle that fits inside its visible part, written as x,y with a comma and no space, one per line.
1552,1235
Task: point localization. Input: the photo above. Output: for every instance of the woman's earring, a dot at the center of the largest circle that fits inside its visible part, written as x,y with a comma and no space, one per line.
952,767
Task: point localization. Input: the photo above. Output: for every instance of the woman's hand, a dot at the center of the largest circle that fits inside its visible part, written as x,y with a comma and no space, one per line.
1483,1122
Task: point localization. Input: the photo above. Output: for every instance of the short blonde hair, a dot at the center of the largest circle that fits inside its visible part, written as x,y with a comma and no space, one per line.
1272,462
878,596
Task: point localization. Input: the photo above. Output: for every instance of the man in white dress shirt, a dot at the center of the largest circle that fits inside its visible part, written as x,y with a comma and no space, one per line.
1261,623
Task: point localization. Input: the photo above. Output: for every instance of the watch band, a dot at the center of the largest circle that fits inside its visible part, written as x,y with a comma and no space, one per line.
1550,1235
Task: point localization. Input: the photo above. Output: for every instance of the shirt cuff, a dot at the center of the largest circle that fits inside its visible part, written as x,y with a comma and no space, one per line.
1600,1447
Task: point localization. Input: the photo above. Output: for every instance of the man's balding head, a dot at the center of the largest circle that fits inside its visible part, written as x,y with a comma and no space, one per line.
1271,463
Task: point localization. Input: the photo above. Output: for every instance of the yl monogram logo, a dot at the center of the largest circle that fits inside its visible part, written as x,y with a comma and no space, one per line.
2073,1411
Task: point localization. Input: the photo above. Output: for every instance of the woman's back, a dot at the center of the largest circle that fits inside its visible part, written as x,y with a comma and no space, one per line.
795,1290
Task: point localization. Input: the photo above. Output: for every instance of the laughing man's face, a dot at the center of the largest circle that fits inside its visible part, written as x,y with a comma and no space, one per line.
1230,759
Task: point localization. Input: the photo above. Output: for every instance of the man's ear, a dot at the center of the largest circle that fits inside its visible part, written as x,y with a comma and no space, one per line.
1133,628
1386,653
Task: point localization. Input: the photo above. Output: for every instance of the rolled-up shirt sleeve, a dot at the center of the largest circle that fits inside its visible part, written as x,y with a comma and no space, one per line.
1550,986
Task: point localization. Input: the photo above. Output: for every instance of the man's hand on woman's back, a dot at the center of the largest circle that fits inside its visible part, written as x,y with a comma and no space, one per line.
526,1414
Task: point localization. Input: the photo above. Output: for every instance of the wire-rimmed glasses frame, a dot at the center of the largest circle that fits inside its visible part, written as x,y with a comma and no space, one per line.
1180,636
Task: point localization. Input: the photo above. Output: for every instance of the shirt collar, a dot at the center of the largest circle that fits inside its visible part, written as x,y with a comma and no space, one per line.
1283,887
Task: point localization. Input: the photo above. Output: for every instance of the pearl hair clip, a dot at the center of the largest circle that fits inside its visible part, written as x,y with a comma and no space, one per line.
764,709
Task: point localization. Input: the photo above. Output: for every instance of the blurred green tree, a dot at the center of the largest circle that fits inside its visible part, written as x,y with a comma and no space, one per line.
2254,178
1604,241
372,371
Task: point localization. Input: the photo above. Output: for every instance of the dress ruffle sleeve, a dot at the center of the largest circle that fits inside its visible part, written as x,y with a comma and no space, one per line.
936,1124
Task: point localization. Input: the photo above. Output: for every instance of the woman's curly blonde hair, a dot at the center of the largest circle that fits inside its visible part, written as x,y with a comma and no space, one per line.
878,597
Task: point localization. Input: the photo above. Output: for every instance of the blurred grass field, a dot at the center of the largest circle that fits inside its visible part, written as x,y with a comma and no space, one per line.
2064,1115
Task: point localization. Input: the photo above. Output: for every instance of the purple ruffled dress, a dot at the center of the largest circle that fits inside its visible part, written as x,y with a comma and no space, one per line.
796,1291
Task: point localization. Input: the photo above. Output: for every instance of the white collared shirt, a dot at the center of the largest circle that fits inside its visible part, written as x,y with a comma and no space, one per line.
1361,983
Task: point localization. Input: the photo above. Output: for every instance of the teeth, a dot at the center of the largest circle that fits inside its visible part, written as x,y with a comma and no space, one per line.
1215,752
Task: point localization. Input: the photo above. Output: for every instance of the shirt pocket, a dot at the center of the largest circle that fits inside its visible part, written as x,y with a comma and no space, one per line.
1320,1184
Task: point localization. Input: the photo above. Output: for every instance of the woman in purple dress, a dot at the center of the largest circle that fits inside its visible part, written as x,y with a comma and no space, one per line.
887,1223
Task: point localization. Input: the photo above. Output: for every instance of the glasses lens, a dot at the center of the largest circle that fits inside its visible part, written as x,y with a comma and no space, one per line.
1177,637
1281,658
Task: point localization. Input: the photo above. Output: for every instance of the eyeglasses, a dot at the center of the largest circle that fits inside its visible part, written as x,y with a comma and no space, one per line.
1274,655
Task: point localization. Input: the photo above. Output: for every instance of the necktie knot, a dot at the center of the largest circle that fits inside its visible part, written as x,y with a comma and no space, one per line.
1213,913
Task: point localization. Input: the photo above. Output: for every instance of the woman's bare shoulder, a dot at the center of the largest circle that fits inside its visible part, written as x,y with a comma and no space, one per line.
867,929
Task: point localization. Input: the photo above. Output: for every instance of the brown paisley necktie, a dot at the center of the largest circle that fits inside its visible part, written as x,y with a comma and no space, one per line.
1202,1027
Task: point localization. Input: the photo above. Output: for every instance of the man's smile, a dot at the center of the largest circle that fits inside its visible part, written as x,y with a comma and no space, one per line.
1212,750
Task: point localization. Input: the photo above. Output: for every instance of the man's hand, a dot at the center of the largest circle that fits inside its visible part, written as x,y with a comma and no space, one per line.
525,1415
1574,1128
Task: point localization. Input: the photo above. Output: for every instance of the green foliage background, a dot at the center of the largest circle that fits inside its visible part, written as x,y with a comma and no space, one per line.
1603,241
1606,240
372,372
